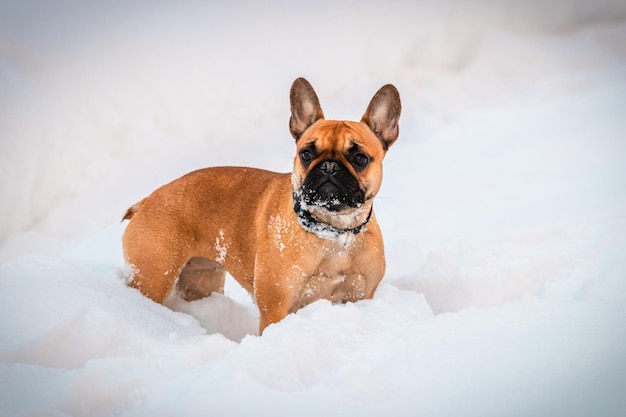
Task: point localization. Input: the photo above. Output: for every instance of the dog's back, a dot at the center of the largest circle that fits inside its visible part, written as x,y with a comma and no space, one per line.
209,214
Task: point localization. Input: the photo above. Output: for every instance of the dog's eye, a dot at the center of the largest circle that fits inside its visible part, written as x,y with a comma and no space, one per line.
361,160
306,155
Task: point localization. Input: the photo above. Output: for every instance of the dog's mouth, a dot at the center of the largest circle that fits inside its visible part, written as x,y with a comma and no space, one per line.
331,186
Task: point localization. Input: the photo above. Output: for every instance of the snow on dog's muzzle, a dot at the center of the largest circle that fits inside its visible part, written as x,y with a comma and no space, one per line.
331,185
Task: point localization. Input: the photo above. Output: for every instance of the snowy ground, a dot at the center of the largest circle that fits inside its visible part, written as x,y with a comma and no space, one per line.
503,207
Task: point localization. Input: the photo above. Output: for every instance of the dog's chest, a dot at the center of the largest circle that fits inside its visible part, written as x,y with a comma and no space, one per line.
335,279
336,288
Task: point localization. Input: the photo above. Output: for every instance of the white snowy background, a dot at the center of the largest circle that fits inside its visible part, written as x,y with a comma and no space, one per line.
503,206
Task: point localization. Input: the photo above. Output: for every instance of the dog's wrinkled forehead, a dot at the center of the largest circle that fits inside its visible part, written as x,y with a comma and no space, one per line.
339,137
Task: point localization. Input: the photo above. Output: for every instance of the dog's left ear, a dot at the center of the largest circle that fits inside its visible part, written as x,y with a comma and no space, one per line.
305,107
383,113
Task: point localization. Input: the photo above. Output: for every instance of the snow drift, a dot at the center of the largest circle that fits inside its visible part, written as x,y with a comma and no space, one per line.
503,207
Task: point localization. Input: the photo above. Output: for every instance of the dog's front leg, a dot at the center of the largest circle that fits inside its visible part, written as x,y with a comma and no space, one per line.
273,300
275,289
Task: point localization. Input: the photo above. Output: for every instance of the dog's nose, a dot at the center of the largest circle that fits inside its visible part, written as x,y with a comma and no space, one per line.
330,166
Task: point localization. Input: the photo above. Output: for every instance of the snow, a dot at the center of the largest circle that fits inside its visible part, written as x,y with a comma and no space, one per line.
503,206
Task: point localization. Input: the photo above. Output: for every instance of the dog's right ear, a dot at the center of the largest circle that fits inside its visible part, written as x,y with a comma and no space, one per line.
305,107
383,113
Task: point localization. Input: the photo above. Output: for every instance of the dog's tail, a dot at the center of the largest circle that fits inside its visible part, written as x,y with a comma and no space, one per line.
132,210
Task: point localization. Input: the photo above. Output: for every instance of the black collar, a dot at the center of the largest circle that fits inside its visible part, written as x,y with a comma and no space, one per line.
313,224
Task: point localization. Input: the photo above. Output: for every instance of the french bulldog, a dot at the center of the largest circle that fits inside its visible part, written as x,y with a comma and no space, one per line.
287,238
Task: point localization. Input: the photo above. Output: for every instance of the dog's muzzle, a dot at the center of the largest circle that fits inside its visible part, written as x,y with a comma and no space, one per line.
330,184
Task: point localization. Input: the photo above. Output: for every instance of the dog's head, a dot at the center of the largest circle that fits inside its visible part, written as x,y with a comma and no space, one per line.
338,165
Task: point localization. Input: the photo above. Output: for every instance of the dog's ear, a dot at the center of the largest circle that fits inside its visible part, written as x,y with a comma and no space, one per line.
305,107
383,113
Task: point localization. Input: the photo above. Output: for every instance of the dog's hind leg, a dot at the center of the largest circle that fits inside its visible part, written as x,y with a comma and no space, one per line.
154,280
200,278
153,265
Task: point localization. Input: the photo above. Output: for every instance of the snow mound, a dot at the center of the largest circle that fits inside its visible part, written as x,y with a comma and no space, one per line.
503,206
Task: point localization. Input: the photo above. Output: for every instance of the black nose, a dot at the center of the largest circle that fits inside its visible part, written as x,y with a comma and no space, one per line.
330,166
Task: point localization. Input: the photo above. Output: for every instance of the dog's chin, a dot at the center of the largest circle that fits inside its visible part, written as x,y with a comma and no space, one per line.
332,205
332,198
339,215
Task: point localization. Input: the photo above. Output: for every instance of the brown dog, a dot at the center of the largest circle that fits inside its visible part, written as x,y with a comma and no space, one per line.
289,239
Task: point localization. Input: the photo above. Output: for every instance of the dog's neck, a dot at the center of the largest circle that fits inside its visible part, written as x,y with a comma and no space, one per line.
332,225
